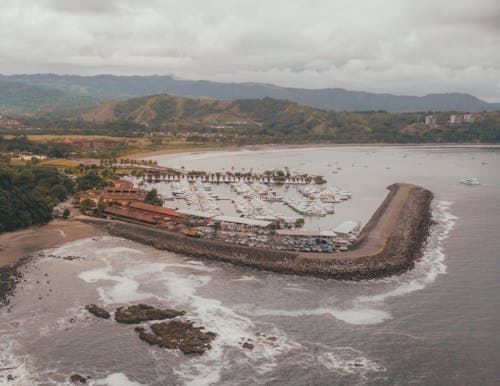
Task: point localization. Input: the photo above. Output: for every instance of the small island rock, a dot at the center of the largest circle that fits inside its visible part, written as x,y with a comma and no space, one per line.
142,312
97,311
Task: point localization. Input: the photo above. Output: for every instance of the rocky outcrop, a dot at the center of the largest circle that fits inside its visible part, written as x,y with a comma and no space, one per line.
142,312
10,276
97,311
77,378
410,221
178,335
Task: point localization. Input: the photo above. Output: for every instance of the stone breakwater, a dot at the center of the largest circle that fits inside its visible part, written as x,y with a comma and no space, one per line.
389,243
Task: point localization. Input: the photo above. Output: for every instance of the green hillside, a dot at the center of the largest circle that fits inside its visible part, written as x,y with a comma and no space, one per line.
272,120
19,97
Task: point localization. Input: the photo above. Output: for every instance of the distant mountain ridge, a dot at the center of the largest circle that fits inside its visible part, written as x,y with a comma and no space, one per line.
123,87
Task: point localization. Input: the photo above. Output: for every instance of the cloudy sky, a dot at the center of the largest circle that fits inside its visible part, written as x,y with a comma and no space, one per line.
398,46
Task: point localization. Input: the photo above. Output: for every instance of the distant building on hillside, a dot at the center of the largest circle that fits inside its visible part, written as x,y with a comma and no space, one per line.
469,118
430,120
456,119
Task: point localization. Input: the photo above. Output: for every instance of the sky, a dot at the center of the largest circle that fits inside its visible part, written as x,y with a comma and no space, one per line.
411,47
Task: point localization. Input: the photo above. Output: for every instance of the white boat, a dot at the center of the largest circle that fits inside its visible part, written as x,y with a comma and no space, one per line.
470,181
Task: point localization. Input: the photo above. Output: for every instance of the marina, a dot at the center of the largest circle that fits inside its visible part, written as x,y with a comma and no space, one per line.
272,209
255,217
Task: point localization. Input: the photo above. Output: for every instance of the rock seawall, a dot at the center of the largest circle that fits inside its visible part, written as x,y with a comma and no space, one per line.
389,243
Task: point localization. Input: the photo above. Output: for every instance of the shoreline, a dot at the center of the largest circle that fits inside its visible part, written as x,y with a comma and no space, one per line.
17,247
142,155
17,244
389,244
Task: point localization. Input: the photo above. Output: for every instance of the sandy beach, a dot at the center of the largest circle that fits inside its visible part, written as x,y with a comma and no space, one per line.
143,155
15,245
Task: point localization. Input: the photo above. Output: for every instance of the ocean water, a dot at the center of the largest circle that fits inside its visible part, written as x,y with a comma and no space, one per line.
437,324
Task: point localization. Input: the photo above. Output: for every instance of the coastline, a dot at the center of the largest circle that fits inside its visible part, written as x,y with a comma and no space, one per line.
18,244
142,155
16,248
389,244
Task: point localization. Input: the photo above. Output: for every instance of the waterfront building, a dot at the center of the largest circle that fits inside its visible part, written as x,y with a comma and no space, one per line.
158,211
123,192
347,228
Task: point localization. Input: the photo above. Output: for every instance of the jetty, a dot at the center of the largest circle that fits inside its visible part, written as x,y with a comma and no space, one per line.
389,243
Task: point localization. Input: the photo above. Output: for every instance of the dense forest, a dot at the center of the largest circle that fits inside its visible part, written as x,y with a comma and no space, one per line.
21,143
28,194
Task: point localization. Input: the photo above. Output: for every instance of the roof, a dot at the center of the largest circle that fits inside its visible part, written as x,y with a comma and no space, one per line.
122,196
156,209
129,214
197,213
346,227
305,233
244,220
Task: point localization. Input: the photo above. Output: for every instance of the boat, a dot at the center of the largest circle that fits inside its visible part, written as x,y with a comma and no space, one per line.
470,181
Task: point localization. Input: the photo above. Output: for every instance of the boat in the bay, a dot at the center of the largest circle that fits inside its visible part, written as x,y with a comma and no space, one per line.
470,181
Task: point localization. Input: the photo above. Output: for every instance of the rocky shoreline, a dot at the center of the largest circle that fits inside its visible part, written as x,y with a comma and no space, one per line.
389,244
10,276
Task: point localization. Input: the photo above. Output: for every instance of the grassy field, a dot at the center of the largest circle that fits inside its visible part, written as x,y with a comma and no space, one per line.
59,162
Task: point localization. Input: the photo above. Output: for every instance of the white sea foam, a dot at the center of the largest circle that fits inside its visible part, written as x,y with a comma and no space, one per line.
430,266
180,290
115,379
365,309
191,265
351,315
346,360
74,317
247,278
232,331
14,370
125,287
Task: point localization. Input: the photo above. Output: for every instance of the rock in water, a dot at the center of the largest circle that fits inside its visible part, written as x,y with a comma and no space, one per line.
143,312
97,311
181,335
77,378
248,346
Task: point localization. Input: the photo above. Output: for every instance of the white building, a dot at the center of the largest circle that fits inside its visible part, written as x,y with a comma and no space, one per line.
430,120
469,118
456,119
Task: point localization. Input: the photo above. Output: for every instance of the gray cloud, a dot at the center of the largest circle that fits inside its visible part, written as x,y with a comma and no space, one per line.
398,46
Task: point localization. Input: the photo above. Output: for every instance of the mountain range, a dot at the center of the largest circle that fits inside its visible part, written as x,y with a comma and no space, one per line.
96,88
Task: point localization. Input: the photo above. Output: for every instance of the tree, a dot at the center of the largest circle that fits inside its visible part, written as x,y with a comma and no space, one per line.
86,205
89,181
66,213
153,198
299,223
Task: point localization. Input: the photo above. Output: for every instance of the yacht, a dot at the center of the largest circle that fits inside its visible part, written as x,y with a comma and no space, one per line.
470,181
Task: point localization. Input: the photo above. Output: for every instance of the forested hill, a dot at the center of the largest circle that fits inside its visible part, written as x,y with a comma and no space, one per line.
271,120
122,87
27,195
25,98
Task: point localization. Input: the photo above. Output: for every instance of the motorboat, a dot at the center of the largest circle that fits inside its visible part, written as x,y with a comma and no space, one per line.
470,181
